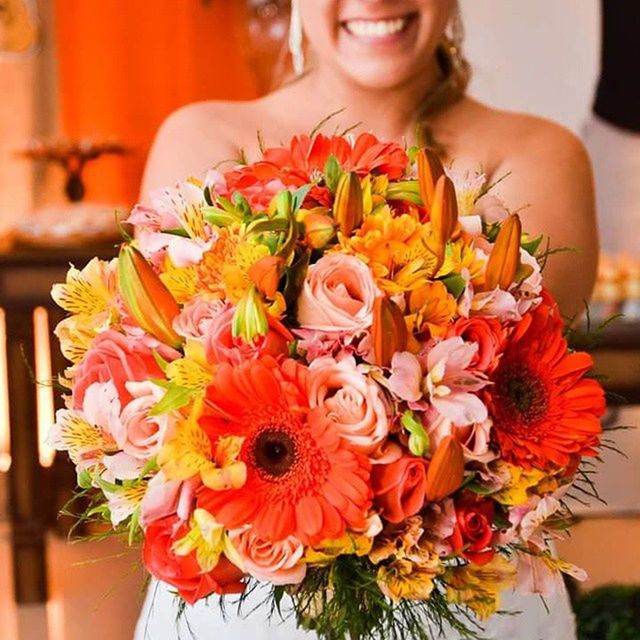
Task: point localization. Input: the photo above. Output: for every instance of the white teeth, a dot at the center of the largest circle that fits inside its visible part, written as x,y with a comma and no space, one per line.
375,28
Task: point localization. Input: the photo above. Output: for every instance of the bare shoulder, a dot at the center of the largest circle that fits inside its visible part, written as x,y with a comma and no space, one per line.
195,138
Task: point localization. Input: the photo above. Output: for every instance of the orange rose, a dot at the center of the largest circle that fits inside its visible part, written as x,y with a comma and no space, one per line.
400,487
487,333
183,572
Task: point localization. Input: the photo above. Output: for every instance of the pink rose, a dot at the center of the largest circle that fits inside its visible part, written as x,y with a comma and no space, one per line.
221,346
194,319
144,433
337,295
114,357
275,562
351,401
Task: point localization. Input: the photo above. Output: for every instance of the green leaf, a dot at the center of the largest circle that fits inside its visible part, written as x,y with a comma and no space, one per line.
207,195
284,203
269,225
532,246
241,204
299,195
160,361
406,190
332,173
295,276
220,217
175,398
455,284
84,479
177,231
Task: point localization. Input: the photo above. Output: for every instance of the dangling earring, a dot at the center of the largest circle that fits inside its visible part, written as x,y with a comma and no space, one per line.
295,39
453,42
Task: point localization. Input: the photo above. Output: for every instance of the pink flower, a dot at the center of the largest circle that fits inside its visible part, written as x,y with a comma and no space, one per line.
151,219
338,295
195,317
543,574
144,433
184,252
167,498
114,357
474,438
487,333
221,346
450,384
351,401
406,377
276,562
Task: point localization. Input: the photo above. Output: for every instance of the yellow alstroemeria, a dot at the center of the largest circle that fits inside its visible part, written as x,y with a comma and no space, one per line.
406,580
193,371
89,291
187,202
459,256
328,550
85,442
76,333
209,539
235,274
191,453
479,586
125,501
516,491
182,282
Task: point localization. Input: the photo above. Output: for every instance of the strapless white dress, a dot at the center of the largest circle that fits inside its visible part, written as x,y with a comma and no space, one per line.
158,621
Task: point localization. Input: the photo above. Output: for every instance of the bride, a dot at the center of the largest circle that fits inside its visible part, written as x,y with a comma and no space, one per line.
396,67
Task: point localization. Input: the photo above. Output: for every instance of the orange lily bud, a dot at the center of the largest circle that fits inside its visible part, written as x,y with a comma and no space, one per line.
146,297
388,332
446,470
266,274
318,229
348,207
444,211
430,170
504,260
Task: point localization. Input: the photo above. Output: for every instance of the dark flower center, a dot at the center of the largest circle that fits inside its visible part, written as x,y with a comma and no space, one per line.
522,392
274,452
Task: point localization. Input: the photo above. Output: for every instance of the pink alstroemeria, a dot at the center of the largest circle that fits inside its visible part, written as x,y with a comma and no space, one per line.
450,385
543,574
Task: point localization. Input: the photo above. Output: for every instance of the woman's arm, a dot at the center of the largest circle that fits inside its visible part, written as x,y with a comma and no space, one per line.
551,173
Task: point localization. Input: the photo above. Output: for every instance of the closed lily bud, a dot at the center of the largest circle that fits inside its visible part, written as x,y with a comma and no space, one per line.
348,207
266,274
319,229
146,297
388,331
430,170
444,211
250,318
503,263
446,470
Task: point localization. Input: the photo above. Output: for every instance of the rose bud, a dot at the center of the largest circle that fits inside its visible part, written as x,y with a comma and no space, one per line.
266,274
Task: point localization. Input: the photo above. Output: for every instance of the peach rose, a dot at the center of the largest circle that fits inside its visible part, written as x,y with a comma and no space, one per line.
337,295
400,487
275,562
195,316
220,345
114,357
351,401
144,433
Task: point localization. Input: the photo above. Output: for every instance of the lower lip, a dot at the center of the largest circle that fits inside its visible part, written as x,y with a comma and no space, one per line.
386,40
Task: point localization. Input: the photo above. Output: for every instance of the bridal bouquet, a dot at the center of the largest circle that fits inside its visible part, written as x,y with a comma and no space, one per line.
335,372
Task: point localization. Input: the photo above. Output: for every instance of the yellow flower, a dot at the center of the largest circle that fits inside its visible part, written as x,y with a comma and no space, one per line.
90,291
209,540
431,307
192,371
76,333
190,453
460,255
479,586
406,580
328,550
516,491
182,282
395,249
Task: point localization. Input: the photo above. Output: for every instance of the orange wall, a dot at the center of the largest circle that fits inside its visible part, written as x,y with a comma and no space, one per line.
124,65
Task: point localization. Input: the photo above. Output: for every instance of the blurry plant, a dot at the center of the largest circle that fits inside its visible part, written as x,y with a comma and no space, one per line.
609,613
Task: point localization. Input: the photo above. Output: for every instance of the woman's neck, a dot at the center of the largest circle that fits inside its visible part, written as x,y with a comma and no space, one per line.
389,113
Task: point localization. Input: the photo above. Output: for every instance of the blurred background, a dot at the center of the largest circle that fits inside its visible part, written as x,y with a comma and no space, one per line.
84,85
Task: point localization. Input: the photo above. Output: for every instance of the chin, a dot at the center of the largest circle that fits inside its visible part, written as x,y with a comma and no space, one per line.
380,74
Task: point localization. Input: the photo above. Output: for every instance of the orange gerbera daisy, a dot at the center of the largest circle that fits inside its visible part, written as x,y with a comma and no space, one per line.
545,413
302,478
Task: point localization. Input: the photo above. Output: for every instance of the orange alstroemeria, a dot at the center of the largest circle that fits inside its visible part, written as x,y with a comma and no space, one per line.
446,470
432,308
146,297
388,332
504,260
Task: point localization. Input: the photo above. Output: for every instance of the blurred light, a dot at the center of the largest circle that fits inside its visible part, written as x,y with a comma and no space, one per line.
44,386
5,430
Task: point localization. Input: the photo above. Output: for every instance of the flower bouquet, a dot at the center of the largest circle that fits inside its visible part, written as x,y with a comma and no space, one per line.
334,372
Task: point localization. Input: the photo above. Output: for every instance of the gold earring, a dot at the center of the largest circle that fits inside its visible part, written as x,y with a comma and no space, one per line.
296,47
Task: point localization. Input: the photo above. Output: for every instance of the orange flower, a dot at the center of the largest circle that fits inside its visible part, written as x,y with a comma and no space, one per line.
544,411
302,478
431,308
